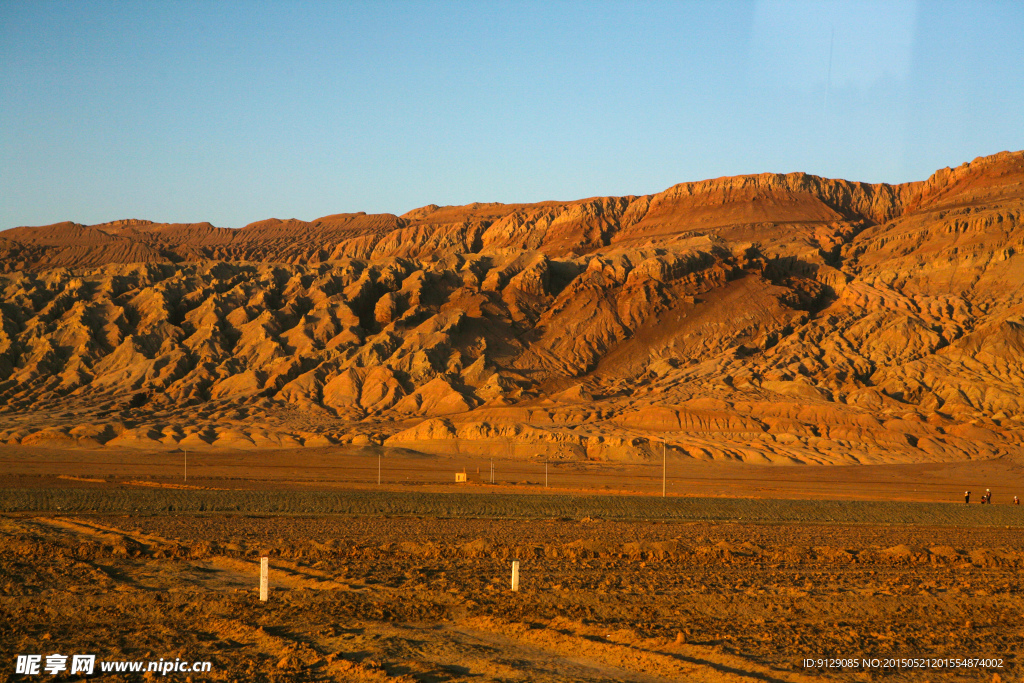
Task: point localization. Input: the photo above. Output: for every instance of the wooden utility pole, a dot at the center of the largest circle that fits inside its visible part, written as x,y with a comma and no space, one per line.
664,455
186,463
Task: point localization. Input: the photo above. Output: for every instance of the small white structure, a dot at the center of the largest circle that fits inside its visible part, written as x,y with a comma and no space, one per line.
264,578
460,477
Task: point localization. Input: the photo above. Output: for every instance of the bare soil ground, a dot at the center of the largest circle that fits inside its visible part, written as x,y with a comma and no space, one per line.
117,556
427,599
347,467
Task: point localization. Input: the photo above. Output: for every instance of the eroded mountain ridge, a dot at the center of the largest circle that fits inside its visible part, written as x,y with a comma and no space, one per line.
768,318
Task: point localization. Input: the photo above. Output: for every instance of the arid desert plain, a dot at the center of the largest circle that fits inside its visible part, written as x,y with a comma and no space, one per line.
725,431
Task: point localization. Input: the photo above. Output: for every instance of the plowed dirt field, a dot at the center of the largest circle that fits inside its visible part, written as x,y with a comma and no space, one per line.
415,587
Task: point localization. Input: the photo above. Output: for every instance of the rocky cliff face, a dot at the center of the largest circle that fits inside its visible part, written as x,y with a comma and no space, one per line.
769,318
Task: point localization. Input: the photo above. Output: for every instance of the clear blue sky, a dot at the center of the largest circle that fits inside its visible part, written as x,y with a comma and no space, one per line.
236,112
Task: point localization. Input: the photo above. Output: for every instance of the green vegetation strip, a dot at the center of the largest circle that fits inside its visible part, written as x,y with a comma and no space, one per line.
505,506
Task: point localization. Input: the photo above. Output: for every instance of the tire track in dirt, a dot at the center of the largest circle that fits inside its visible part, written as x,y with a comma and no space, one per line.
214,572
623,655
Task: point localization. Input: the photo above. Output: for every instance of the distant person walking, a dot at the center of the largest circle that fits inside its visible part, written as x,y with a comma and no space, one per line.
1016,500
988,494
967,497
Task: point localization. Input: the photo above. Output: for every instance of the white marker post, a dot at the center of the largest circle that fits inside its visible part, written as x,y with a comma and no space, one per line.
545,474
378,469
186,465
264,578
515,575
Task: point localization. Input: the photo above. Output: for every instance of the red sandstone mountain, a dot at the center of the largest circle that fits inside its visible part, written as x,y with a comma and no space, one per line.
768,318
